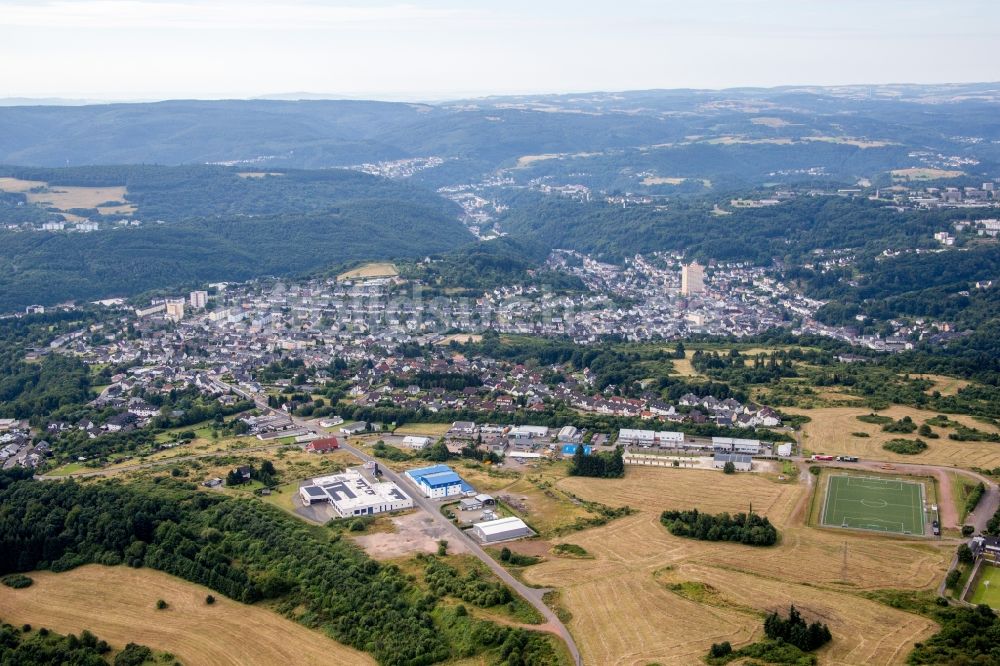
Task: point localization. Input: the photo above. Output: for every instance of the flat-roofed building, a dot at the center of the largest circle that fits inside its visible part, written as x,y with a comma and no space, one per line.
692,279
629,436
352,494
742,463
528,432
438,481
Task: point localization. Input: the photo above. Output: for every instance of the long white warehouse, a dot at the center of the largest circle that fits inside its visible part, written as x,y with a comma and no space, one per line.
351,494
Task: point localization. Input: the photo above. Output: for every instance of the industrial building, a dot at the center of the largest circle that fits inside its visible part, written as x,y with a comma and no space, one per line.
480,501
528,432
438,481
353,494
647,438
741,462
568,433
416,442
501,529
736,445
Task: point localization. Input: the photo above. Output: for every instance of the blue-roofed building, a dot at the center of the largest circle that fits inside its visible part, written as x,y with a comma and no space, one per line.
438,481
570,449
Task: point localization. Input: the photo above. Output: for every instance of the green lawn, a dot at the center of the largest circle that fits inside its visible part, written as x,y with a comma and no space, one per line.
988,594
68,468
873,503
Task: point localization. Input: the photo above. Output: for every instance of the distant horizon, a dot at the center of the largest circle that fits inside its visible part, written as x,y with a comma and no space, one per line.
435,97
442,49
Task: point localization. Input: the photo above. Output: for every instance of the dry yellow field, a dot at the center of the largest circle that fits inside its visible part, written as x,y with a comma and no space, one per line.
528,160
373,270
460,338
944,384
118,604
65,197
850,141
658,180
925,174
769,121
831,427
624,586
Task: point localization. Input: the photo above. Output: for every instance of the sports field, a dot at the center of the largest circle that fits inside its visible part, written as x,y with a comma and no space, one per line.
988,588
873,503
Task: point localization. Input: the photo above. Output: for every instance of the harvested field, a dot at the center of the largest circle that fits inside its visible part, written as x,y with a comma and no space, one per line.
226,632
943,384
831,427
924,174
424,429
65,197
635,558
769,121
373,270
460,338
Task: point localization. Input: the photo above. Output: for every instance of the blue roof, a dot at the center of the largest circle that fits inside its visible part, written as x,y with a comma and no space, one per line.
570,449
441,479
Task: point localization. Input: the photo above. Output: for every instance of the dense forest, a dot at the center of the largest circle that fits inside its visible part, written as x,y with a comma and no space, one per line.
789,231
45,268
248,551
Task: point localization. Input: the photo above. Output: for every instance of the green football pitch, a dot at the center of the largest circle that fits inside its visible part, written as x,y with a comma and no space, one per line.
873,503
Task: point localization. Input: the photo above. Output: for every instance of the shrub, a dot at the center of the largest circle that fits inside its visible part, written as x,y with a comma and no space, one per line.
357,526
860,434
569,549
965,554
722,649
794,630
210,600
133,655
17,581
729,468
967,530
161,604
903,425
952,578
442,547
906,447
505,554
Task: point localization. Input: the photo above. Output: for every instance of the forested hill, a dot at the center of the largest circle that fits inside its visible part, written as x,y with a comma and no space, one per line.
220,226
739,124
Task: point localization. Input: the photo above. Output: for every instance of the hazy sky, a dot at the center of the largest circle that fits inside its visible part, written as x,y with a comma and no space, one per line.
426,49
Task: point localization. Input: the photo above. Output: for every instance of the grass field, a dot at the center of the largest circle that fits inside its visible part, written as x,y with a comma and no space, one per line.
119,605
373,270
984,593
424,429
629,584
873,503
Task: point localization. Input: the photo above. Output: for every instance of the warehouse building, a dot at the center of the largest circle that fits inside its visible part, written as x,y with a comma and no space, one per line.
741,462
568,433
416,442
750,447
438,481
352,494
501,529
528,432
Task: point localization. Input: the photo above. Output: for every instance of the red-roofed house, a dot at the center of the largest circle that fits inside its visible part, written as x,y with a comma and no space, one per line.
323,445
